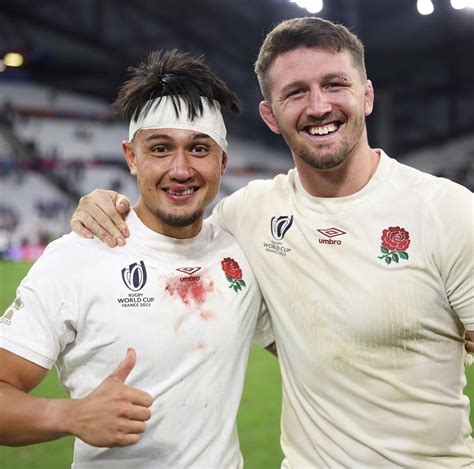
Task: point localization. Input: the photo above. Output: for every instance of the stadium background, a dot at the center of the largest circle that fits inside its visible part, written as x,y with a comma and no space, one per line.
58,139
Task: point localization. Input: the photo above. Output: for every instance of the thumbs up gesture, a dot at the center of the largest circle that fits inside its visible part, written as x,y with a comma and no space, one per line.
114,414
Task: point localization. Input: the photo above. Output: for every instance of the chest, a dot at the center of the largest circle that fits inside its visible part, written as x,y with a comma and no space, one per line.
170,308
375,279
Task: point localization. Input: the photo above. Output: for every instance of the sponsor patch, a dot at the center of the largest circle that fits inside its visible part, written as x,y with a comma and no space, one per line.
330,233
279,226
135,277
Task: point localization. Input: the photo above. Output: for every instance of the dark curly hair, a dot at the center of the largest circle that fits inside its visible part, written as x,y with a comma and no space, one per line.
176,74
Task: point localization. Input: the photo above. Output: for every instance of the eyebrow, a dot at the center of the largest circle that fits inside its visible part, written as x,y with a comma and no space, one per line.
340,76
328,77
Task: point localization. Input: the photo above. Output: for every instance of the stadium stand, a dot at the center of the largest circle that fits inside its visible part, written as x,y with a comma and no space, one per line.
56,146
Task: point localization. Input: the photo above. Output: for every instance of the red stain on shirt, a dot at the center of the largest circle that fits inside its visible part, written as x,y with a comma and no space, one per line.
206,315
195,291
178,323
201,347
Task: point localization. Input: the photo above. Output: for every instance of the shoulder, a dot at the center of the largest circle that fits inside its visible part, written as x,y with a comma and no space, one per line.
67,256
253,197
434,190
223,244
246,205
72,247
217,236
262,187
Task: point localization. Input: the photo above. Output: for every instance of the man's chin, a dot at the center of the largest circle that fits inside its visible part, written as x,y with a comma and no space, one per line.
179,220
324,157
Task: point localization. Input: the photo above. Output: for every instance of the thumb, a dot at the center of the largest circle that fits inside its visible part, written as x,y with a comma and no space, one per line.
126,366
122,204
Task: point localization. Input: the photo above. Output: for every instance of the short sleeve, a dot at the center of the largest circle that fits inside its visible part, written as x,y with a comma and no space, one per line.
39,324
456,217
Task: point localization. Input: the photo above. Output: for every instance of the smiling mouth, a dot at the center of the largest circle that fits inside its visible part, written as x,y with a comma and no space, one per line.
322,130
181,193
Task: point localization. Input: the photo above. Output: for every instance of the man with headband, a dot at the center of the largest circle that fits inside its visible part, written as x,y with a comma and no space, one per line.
374,295
179,305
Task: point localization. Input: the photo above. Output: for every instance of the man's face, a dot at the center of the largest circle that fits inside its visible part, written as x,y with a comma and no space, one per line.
179,174
319,101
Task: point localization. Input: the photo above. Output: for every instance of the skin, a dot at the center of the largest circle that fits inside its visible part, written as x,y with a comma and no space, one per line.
309,87
316,88
114,414
166,163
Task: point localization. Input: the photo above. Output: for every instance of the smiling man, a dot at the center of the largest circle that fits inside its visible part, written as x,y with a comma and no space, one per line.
179,302
365,264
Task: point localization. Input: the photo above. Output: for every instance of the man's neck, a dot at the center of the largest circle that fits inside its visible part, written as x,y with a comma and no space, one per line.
344,180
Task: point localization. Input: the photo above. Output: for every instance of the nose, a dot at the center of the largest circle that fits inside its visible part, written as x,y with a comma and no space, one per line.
180,169
318,104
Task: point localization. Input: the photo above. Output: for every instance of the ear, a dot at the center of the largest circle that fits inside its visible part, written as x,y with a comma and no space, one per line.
368,98
224,163
129,153
266,113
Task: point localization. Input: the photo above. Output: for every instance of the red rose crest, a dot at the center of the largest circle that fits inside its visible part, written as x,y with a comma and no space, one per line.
395,242
233,273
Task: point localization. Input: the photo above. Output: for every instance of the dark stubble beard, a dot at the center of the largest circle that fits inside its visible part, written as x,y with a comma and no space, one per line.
179,220
308,155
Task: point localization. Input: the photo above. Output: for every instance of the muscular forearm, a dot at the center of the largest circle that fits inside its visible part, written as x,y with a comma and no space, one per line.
25,419
113,414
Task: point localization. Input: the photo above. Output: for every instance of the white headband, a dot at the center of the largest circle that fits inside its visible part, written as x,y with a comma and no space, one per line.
162,115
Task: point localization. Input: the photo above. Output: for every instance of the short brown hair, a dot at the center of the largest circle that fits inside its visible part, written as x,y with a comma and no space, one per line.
306,32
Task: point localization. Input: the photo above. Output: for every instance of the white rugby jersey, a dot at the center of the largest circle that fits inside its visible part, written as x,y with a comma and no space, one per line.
369,296
188,307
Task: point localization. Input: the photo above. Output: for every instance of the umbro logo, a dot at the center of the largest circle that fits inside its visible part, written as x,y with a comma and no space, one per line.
188,270
331,233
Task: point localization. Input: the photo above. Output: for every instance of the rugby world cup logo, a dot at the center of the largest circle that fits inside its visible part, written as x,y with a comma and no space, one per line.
134,276
280,225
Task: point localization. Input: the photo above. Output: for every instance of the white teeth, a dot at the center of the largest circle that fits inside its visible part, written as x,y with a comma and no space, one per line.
186,192
324,130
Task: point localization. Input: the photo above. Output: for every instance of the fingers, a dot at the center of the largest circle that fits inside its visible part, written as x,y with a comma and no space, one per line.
81,219
126,366
127,433
122,204
79,228
128,439
469,346
140,398
138,413
97,215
